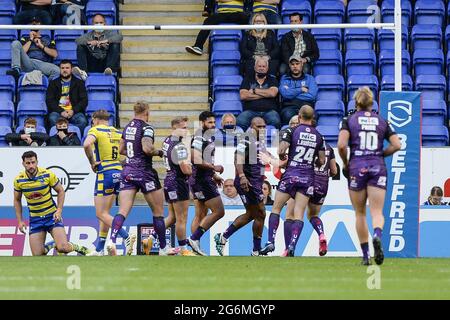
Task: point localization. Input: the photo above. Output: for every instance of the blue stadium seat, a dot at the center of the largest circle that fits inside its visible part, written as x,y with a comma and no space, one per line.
360,62
106,8
70,129
67,50
329,112
7,12
428,61
387,11
5,60
351,106
386,39
387,62
32,92
433,87
31,108
434,112
329,12
67,35
330,133
227,88
6,37
429,12
301,6
448,62
434,136
39,128
281,33
360,11
224,106
225,39
330,87
7,88
6,113
426,36
330,62
328,39
101,87
107,105
354,82
359,39
225,63
388,83
4,130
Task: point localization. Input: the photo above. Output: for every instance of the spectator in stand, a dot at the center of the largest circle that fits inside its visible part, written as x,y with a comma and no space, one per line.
228,11
27,137
33,52
32,9
98,50
294,121
63,137
229,134
208,8
67,98
269,8
259,95
70,12
296,89
229,194
267,191
435,198
299,42
258,43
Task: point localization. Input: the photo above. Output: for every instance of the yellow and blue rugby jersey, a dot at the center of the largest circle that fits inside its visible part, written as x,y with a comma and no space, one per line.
259,6
106,147
229,7
37,191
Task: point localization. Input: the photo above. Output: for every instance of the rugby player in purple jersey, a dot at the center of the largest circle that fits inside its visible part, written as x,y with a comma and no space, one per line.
248,182
138,174
204,181
366,172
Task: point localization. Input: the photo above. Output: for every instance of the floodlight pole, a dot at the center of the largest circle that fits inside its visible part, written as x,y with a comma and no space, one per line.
398,45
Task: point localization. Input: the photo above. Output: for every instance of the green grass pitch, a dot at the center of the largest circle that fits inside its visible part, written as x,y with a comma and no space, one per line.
153,277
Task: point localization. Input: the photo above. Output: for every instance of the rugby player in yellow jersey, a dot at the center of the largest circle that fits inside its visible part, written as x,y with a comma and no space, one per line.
104,160
45,216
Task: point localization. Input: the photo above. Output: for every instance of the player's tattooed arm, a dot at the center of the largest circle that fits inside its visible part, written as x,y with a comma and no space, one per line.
149,149
282,148
18,208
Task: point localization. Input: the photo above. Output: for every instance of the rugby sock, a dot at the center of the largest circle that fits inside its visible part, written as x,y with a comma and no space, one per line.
116,226
229,232
365,250
49,246
256,243
160,228
183,243
198,233
123,233
274,221
297,227
287,232
317,224
101,241
377,233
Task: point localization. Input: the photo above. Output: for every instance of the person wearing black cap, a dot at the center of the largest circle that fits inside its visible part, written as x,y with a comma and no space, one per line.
33,52
299,42
39,9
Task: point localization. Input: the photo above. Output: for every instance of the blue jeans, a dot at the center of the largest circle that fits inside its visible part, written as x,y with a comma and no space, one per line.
78,119
19,59
288,112
271,117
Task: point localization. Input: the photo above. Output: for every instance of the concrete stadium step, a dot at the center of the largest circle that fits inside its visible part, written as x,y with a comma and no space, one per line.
182,107
165,72
159,8
161,33
161,1
164,46
162,57
158,95
164,81
163,20
161,119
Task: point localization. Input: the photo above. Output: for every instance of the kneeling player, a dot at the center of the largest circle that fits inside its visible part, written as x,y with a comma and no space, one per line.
35,184
248,182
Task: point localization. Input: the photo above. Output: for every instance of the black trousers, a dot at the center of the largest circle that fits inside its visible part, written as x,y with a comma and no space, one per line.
89,63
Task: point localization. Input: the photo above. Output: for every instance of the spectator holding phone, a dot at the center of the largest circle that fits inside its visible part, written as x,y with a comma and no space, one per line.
297,89
63,137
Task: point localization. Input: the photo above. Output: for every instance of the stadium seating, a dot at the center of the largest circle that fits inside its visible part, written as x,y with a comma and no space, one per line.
360,62
386,39
32,92
328,39
7,12
70,129
225,63
428,62
224,106
361,11
329,12
387,11
225,39
106,8
301,6
6,113
429,12
330,133
387,62
388,83
227,88
31,108
434,112
330,87
329,112
330,62
433,87
4,130
6,37
434,136
426,36
7,88
5,60
86,130
66,51
362,39
108,105
101,87
351,106
356,81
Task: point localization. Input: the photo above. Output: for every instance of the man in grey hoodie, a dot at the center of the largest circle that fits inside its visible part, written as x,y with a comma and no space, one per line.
98,50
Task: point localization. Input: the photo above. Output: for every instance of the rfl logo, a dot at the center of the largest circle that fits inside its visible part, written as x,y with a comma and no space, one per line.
399,113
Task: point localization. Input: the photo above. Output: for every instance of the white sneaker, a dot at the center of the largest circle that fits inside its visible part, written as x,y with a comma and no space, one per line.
111,249
95,254
129,242
195,245
168,251
76,71
194,50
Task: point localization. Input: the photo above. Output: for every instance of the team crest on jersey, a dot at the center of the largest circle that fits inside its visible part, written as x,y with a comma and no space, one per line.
200,195
149,186
308,130
173,195
35,196
367,114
